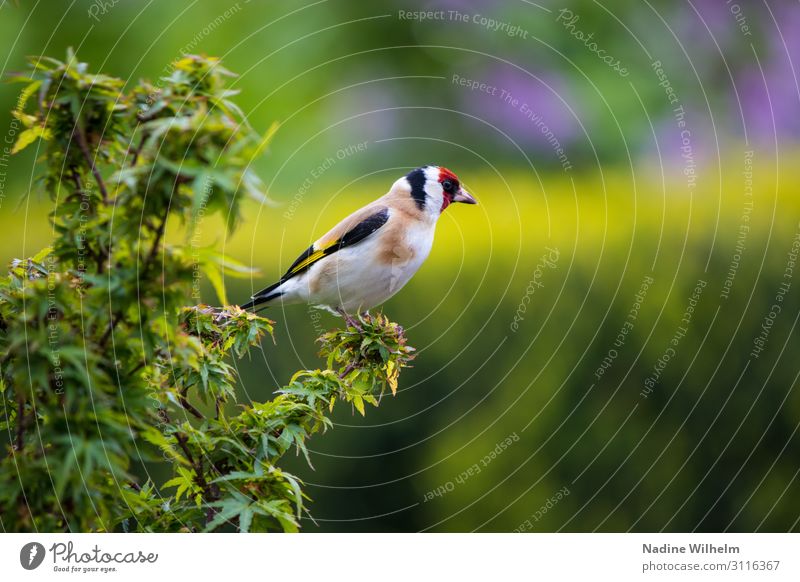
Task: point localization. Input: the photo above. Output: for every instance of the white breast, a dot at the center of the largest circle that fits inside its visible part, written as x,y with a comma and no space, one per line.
359,278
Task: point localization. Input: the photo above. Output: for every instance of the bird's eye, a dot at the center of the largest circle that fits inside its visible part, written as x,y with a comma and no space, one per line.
447,186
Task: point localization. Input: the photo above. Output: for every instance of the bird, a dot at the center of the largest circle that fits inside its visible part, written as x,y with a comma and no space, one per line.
370,255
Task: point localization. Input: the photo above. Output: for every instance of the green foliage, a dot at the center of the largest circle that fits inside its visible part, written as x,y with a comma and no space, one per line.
101,362
367,357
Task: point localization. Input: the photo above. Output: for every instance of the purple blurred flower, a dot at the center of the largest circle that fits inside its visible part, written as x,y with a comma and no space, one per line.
689,149
770,102
547,99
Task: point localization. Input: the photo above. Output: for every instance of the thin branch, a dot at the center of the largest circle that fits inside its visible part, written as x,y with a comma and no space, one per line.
115,317
163,224
182,440
188,406
199,474
210,513
138,150
20,425
350,367
157,242
88,157
146,265
76,179
150,257
136,368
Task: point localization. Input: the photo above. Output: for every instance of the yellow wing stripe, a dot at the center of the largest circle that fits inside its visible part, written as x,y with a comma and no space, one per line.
353,236
312,258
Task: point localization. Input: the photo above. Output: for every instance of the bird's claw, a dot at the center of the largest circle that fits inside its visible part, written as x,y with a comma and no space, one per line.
353,323
350,321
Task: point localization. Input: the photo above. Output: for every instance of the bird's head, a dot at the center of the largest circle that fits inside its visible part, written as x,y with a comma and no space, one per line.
434,188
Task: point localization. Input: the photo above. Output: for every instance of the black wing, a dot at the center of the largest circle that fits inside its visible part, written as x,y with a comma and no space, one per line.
313,254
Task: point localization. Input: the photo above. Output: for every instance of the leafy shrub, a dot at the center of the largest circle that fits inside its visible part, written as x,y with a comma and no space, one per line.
101,362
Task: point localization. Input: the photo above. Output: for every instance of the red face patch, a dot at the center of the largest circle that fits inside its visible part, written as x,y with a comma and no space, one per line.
450,185
445,174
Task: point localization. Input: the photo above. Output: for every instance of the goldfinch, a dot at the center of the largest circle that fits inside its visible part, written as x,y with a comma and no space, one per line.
370,255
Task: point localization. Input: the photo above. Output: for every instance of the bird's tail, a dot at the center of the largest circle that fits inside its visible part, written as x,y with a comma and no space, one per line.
264,296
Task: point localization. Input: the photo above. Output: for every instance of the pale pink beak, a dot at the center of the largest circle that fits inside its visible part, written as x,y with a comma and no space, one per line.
464,196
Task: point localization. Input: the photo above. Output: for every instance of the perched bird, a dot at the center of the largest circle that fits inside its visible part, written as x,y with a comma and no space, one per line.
370,255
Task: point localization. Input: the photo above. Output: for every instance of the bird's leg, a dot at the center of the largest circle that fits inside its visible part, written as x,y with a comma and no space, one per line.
349,320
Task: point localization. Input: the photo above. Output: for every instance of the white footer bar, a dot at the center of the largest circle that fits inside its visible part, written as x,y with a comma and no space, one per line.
401,557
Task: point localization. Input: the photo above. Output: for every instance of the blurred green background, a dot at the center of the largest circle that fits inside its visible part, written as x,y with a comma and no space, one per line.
598,346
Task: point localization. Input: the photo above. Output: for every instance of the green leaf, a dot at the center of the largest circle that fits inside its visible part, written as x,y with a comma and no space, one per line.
358,402
29,136
26,93
214,275
230,509
245,519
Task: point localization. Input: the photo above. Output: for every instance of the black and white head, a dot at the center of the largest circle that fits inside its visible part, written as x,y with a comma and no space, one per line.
434,188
